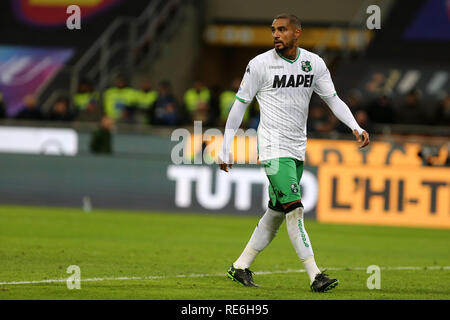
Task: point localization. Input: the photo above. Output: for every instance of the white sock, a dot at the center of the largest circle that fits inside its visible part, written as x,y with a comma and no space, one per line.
300,241
263,234
311,268
246,258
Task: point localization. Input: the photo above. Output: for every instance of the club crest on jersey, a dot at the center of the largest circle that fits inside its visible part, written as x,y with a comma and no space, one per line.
306,66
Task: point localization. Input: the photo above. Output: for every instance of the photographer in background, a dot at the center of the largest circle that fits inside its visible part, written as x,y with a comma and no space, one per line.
31,110
101,140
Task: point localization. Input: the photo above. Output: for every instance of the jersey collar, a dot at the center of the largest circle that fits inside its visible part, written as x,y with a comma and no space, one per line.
289,60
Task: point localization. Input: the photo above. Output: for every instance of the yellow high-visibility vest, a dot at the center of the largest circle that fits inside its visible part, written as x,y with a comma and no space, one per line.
115,99
192,98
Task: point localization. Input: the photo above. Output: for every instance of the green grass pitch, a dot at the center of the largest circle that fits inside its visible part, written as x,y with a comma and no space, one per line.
138,255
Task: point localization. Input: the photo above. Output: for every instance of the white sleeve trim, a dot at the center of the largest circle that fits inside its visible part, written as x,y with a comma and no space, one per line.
233,123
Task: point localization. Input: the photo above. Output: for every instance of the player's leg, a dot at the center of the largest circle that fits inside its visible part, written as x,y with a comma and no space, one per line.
263,234
297,232
287,184
319,281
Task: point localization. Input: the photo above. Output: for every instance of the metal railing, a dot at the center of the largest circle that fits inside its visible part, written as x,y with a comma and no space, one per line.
95,64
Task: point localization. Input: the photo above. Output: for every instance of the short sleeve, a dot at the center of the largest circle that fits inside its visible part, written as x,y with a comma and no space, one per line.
324,86
251,83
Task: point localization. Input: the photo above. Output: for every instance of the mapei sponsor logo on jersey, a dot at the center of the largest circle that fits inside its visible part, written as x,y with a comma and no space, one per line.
294,81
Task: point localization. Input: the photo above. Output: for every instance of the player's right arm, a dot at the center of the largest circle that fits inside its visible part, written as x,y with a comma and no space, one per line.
233,123
250,85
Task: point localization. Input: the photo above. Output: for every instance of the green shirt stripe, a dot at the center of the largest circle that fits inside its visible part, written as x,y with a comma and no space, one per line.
241,100
288,60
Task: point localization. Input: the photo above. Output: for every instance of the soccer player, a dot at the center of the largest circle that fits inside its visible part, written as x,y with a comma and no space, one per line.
283,80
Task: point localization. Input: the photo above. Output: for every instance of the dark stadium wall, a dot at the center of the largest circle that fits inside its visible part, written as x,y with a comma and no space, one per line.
325,11
15,31
233,61
136,183
416,32
230,59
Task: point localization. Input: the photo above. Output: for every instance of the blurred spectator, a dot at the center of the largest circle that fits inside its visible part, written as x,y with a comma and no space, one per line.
165,109
201,112
196,101
357,108
354,101
2,107
101,140
120,101
431,155
30,110
146,97
253,115
381,110
60,111
84,96
363,120
442,115
319,119
226,102
411,111
214,107
92,113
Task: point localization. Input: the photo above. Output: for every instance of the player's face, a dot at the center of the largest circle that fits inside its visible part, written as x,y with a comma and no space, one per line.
284,34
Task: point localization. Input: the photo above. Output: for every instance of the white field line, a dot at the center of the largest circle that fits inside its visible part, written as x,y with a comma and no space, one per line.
220,274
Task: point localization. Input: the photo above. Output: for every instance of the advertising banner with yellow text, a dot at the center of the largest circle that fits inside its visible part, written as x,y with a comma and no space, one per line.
384,196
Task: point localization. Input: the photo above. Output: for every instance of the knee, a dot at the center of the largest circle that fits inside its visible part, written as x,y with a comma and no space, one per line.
272,221
288,207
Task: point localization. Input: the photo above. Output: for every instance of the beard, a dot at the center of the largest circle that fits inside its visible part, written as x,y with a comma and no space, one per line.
286,46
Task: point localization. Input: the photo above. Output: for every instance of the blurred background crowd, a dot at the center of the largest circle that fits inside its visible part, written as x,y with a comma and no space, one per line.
164,64
156,105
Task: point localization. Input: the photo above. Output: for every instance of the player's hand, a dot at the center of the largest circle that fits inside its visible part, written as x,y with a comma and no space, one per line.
224,166
363,138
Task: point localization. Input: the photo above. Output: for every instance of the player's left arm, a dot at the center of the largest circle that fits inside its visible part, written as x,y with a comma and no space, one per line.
343,113
324,87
